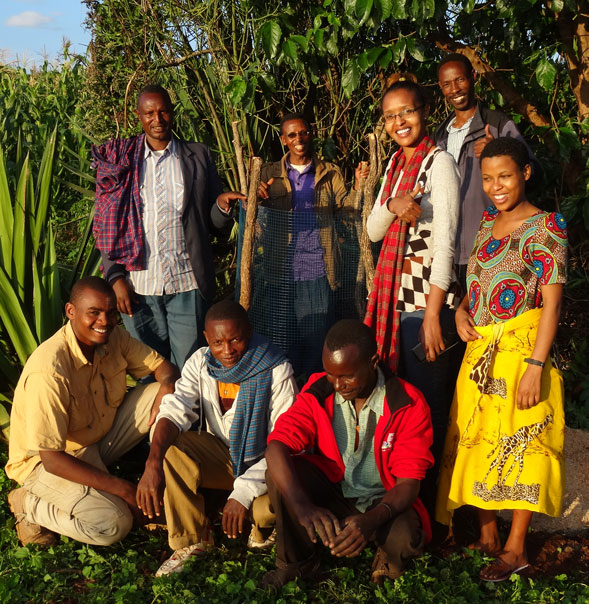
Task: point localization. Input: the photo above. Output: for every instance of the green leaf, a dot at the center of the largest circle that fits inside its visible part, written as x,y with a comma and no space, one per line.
289,48
350,77
468,6
4,418
416,49
331,45
557,5
428,8
385,7
44,179
398,53
398,9
363,8
373,54
6,218
385,59
586,214
236,89
318,39
301,41
545,74
363,62
270,34
21,230
16,324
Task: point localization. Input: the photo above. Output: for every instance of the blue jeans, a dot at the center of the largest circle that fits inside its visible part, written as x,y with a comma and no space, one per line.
436,381
172,324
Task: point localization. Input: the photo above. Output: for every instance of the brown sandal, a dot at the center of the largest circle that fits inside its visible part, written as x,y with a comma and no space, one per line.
382,569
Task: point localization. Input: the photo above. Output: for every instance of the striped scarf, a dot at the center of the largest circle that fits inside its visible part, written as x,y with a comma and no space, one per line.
381,313
253,373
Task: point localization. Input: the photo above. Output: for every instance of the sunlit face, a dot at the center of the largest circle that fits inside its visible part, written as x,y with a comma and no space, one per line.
351,376
296,137
504,181
457,85
406,129
228,340
157,118
93,316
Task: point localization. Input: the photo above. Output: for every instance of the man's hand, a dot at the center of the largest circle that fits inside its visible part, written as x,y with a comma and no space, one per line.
226,201
317,521
150,490
361,173
405,207
483,142
126,296
357,532
128,493
233,518
465,326
263,189
528,389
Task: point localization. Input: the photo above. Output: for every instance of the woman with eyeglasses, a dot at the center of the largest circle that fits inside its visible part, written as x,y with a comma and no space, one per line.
411,305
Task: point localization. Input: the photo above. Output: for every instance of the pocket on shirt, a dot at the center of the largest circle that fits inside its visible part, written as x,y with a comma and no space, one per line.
115,385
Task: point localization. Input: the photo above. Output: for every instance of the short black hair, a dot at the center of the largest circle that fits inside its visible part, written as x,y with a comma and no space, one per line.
155,89
291,117
407,84
97,284
455,57
352,332
505,145
227,310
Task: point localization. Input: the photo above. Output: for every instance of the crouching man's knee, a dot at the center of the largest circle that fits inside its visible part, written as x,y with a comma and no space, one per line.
107,525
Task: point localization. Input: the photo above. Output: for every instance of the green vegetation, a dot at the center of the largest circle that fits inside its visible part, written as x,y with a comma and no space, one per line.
72,572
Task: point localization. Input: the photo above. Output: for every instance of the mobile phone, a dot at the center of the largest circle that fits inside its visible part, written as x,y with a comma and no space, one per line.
419,352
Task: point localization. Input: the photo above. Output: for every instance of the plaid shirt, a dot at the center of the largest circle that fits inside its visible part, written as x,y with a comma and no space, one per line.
117,225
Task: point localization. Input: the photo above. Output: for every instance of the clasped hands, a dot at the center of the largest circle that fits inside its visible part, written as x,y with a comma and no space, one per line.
345,538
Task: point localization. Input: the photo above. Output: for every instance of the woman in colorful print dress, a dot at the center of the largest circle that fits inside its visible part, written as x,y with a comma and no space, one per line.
414,293
505,440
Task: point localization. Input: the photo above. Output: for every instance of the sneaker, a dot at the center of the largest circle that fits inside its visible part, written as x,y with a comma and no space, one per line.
261,546
28,532
175,563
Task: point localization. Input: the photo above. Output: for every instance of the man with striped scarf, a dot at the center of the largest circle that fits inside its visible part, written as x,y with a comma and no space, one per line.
234,389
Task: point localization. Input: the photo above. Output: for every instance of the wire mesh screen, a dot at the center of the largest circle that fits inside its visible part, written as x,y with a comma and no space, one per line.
307,273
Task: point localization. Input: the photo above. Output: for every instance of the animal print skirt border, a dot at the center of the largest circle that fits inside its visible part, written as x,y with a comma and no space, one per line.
498,456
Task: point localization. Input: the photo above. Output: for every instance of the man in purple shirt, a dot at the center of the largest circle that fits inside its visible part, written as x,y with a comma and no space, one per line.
303,250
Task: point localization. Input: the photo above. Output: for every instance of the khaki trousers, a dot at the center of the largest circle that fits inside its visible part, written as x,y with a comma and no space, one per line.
199,459
84,513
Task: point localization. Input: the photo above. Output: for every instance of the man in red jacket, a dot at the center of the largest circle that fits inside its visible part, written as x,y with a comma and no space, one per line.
345,463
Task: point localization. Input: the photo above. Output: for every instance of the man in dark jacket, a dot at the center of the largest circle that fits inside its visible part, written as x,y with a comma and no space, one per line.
157,198
345,463
464,134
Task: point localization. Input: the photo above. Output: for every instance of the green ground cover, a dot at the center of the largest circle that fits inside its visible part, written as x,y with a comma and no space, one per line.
72,572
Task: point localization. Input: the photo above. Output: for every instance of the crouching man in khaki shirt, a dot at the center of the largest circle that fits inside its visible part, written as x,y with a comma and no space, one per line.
72,416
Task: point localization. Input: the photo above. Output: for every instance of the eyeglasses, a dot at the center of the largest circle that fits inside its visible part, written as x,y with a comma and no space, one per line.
391,117
301,133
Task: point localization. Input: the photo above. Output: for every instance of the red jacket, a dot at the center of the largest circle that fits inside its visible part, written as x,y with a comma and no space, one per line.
402,438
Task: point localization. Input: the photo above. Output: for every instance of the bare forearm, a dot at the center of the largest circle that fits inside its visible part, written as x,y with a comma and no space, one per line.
547,328
166,374
395,501
69,467
164,435
435,301
283,474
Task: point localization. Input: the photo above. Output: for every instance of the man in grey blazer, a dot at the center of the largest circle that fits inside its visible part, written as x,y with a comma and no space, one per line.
157,199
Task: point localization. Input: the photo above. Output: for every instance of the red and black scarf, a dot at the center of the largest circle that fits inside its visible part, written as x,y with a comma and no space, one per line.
381,313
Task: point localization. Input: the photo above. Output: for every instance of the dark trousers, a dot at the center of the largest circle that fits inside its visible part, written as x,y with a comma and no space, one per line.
401,539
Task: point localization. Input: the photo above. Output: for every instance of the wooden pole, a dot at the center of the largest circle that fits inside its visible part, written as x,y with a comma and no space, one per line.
239,157
248,235
369,187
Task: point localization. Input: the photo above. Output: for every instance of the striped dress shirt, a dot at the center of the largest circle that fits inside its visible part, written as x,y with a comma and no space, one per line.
169,270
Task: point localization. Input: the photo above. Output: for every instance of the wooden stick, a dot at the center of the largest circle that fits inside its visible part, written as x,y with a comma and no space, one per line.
248,235
239,157
369,187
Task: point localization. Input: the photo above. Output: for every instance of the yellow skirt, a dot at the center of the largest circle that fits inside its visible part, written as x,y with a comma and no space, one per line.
497,456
